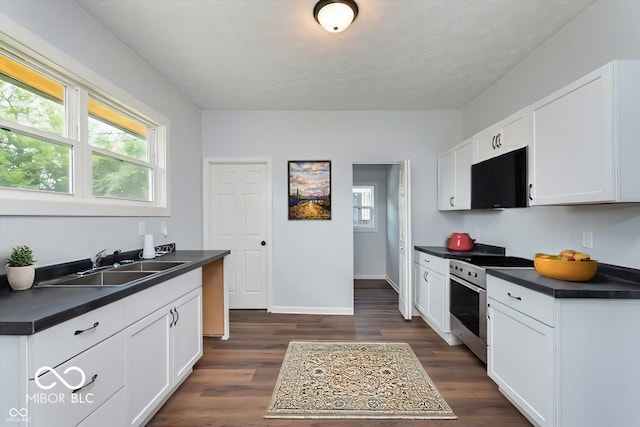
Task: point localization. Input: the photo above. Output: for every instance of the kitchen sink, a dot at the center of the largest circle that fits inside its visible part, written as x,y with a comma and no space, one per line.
112,276
148,266
99,279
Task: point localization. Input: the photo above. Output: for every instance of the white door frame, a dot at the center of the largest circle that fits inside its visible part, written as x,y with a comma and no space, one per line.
405,303
408,265
207,162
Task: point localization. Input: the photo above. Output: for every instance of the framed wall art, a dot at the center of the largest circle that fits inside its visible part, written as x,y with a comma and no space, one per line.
309,189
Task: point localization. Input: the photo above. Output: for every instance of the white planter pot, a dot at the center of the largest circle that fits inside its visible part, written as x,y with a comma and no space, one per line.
21,278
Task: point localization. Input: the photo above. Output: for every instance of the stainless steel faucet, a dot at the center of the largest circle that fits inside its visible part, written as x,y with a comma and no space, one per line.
97,258
116,262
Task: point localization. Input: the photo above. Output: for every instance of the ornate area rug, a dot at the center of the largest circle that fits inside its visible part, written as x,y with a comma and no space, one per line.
355,380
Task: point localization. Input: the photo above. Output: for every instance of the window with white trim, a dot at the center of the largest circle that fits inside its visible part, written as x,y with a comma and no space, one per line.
364,207
67,148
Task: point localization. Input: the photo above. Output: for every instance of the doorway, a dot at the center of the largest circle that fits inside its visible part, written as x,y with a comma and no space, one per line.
381,234
237,216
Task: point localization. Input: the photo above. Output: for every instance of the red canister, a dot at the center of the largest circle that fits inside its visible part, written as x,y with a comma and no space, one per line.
460,242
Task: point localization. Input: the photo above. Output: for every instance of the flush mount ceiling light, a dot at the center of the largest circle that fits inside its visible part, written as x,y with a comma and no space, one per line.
335,15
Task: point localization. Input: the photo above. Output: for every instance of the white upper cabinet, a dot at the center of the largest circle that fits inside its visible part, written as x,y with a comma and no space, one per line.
454,178
585,145
507,135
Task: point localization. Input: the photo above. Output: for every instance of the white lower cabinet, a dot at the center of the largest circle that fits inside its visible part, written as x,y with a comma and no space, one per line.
119,363
521,347
520,360
148,365
186,338
565,362
436,310
161,350
65,396
431,278
110,414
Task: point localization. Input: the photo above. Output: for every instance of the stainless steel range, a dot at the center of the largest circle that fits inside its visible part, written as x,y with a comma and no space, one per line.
468,297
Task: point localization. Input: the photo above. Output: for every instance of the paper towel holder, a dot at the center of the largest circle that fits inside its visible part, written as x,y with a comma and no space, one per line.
148,251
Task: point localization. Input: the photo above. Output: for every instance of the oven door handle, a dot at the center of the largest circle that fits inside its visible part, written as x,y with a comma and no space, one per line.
465,284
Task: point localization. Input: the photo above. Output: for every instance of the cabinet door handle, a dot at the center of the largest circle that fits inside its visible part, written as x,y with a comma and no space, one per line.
426,279
93,379
175,310
173,318
451,200
530,191
518,298
81,331
493,142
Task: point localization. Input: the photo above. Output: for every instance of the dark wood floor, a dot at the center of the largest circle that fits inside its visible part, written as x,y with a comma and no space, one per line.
232,383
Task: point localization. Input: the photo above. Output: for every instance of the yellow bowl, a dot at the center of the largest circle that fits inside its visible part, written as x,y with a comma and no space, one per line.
573,271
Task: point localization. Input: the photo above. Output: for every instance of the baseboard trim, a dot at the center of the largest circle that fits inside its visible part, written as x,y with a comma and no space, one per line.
448,337
340,311
369,277
393,285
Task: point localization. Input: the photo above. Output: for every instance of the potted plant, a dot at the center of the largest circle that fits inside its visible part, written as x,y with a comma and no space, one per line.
20,269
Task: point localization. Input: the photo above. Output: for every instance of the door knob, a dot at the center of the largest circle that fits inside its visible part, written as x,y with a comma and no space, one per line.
263,243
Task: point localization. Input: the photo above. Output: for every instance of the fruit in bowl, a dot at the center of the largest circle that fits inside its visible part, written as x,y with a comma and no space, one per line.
568,265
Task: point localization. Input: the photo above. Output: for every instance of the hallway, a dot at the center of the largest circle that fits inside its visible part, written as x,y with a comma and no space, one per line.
232,383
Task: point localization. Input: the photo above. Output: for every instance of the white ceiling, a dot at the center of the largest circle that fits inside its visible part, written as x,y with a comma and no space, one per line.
272,54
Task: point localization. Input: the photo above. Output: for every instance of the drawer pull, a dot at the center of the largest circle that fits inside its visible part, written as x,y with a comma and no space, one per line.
81,331
93,379
518,298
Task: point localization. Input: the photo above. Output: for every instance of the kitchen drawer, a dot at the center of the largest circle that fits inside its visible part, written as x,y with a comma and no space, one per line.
145,302
534,304
435,263
63,341
53,403
110,414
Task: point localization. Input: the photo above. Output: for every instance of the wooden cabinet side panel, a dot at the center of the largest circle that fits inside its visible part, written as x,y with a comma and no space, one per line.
213,299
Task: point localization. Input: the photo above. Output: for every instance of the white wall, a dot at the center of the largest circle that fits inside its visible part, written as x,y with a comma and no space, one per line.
69,36
393,225
370,247
605,31
343,137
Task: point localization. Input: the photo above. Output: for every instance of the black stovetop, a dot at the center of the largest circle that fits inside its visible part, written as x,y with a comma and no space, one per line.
497,261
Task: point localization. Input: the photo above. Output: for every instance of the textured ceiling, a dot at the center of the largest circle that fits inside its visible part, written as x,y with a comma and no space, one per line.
272,54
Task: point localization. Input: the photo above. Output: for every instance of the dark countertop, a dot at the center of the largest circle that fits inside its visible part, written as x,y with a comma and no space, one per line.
478,249
36,309
605,285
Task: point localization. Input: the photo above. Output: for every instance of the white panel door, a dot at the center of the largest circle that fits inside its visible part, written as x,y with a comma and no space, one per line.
405,301
238,222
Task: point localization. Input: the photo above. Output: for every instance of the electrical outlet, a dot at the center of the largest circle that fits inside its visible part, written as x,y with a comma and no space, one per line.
587,239
476,234
141,228
163,228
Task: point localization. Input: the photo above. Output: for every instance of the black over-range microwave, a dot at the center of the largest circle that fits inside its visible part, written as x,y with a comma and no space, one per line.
500,182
